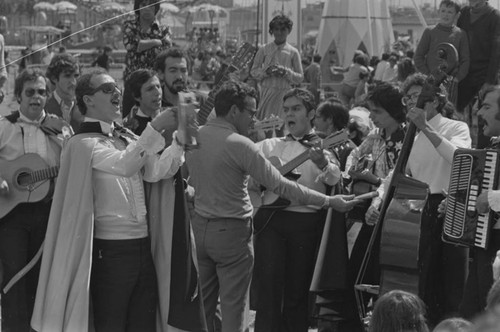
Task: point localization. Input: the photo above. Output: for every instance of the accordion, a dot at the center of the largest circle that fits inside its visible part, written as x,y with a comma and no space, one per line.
472,172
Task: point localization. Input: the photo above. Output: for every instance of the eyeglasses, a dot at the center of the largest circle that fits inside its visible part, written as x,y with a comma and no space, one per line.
410,98
107,88
251,112
31,92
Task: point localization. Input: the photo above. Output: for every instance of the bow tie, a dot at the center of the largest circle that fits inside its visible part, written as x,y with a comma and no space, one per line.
307,140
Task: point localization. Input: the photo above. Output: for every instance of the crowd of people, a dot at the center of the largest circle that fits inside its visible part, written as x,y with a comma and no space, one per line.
119,212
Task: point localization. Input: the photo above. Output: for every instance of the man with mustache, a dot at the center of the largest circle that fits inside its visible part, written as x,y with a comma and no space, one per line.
27,131
480,277
63,71
481,22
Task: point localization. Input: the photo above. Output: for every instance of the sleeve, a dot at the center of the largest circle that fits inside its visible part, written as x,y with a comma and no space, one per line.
257,71
492,72
461,139
265,173
163,166
129,161
130,38
295,74
463,56
494,200
422,51
331,174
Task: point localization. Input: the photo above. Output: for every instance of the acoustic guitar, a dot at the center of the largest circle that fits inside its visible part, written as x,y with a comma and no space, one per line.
28,180
399,227
271,201
239,61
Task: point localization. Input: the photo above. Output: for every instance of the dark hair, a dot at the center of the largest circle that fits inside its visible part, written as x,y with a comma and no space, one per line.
316,58
389,97
361,59
61,63
306,96
170,53
385,56
138,3
456,324
27,75
398,311
84,87
490,89
232,93
444,106
405,68
335,111
280,20
136,80
451,3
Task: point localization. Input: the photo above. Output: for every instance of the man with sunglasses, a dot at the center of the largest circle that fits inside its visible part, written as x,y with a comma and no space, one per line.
98,232
27,131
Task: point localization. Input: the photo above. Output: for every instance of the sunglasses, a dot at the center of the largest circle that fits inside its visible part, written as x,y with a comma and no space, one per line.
31,92
107,88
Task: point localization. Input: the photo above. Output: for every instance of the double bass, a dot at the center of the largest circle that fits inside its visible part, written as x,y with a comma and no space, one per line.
399,230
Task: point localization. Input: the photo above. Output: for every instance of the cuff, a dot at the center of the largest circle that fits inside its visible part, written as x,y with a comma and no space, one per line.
494,200
151,141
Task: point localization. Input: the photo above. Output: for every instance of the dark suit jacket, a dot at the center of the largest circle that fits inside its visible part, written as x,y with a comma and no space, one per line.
53,107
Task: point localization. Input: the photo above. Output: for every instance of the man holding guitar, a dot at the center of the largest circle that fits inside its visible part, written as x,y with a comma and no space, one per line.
442,266
286,240
27,133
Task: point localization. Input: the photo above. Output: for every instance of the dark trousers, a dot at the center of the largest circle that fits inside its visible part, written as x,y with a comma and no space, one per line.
444,270
123,286
467,91
285,253
480,278
21,234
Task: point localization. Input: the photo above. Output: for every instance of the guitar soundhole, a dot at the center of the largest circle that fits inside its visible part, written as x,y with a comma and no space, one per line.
24,179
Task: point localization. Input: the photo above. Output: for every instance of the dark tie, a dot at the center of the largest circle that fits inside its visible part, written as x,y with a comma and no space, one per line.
307,140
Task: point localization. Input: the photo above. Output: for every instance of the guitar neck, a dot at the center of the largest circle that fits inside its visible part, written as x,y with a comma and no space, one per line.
44,174
294,163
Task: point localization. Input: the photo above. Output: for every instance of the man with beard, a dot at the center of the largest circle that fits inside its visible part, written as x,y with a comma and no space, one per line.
63,72
481,22
480,277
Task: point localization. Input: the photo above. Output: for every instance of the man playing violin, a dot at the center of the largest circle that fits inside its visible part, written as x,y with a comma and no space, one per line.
430,161
286,245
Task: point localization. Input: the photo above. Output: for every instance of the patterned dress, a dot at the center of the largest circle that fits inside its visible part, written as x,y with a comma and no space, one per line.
132,35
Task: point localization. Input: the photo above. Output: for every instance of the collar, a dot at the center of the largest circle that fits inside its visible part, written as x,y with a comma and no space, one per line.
222,123
106,128
23,118
436,119
141,114
309,134
59,99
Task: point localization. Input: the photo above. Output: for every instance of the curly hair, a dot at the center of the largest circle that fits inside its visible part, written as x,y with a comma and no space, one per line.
232,93
27,75
398,311
174,52
61,63
304,95
280,20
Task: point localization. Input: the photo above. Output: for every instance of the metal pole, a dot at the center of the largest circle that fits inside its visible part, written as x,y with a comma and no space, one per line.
258,25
